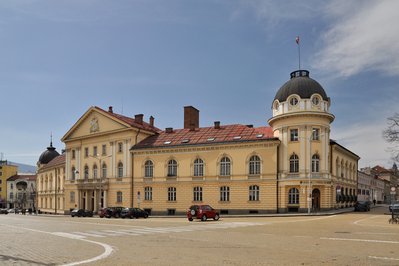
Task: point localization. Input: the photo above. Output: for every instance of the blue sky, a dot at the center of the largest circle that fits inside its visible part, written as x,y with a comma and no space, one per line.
227,58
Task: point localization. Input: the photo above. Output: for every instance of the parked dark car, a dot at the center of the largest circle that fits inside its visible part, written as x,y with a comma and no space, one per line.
3,211
394,207
133,213
81,213
202,212
111,212
362,206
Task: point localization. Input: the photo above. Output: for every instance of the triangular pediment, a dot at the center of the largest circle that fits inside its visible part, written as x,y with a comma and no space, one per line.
95,122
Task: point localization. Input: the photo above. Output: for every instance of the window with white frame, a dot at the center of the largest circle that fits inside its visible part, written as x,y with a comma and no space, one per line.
86,152
104,170
254,193
197,193
224,193
315,163
171,194
148,169
148,193
293,196
294,134
198,167
254,165
86,172
120,169
225,166
315,134
95,151
72,196
294,163
95,171
119,196
172,168
104,149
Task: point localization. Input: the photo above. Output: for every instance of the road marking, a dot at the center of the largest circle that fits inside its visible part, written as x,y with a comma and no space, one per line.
360,240
136,231
382,258
68,235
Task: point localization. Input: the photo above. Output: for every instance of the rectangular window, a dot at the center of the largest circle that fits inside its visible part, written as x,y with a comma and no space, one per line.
197,193
72,196
1,181
73,154
86,152
1,173
11,195
119,196
171,194
104,149
316,134
254,193
294,134
120,147
225,193
148,193
95,151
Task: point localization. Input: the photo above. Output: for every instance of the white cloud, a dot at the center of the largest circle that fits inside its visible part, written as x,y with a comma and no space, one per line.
363,36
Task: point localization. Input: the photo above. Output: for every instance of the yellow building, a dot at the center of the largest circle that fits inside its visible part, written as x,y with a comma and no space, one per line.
293,165
6,170
50,184
98,161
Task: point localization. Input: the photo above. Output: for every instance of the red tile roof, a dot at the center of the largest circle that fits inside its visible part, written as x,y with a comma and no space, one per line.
380,170
206,135
59,160
131,121
25,177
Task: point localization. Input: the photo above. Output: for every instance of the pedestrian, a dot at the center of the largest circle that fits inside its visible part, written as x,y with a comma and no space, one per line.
374,201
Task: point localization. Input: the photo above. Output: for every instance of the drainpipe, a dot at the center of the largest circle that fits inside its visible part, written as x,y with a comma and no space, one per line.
132,187
277,179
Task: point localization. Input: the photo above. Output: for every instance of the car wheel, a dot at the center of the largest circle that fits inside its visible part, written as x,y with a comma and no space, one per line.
190,219
216,217
192,212
204,218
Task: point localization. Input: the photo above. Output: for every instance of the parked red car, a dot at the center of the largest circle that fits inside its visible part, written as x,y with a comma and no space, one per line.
202,212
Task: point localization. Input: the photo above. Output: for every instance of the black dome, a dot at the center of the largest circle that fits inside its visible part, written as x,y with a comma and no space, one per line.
48,155
302,85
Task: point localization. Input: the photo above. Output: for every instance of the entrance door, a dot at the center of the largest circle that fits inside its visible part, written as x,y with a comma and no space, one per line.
316,199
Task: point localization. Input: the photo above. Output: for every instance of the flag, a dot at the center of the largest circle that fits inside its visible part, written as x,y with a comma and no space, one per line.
297,39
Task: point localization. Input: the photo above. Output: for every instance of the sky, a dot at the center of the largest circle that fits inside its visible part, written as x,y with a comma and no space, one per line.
227,58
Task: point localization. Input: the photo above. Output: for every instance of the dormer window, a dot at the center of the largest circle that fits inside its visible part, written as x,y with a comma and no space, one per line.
293,101
276,105
315,100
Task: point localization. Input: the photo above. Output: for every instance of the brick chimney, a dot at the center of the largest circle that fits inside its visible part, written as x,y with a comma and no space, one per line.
139,119
217,124
110,109
151,121
169,130
191,117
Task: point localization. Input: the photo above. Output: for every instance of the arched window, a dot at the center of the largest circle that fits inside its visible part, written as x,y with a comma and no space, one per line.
120,169
198,167
294,163
225,193
86,172
254,165
95,175
104,171
73,173
254,193
225,166
172,168
315,163
148,169
293,196
342,168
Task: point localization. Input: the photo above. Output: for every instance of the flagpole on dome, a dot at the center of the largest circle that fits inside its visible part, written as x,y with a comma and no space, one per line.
299,52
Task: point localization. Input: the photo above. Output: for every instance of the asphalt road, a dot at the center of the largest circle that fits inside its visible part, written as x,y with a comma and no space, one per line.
343,239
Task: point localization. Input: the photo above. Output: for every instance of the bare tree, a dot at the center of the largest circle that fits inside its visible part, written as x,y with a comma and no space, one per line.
391,134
